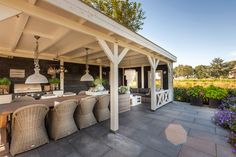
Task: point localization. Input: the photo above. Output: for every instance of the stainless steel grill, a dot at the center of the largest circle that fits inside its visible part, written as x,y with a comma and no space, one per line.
27,88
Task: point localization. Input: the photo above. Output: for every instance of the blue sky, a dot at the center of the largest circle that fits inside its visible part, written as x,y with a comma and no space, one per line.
196,31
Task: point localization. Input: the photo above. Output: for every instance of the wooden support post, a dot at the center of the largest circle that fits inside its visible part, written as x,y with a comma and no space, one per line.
62,75
161,80
115,59
114,110
170,80
123,76
142,76
154,63
100,72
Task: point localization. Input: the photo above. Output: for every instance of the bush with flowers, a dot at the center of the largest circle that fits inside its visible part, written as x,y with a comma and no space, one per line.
226,118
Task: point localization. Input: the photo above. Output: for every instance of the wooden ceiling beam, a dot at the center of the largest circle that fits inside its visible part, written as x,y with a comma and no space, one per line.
61,33
74,46
82,53
97,55
22,21
19,28
41,34
62,21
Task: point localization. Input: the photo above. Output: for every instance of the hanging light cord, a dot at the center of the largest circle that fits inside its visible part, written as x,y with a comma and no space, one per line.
36,55
87,66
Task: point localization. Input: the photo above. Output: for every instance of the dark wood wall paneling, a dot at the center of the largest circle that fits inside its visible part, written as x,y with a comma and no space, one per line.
72,77
75,72
23,63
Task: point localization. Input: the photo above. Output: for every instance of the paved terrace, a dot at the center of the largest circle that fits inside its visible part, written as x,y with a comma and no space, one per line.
144,133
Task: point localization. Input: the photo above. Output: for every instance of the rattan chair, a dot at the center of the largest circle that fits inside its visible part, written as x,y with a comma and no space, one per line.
83,92
23,99
101,110
60,121
84,116
28,128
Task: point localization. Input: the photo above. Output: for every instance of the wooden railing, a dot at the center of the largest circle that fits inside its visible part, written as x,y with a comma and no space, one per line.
163,97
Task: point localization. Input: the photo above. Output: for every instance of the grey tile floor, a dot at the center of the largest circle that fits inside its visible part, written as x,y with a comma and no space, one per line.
175,130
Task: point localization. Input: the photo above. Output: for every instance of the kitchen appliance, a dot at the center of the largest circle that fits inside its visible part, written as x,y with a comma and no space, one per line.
34,90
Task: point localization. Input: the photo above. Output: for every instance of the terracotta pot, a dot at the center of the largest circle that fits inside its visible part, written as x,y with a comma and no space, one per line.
4,89
196,101
54,86
214,103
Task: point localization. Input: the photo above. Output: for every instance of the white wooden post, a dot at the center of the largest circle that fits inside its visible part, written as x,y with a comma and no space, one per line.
123,76
154,63
115,59
100,72
161,80
170,80
61,76
142,76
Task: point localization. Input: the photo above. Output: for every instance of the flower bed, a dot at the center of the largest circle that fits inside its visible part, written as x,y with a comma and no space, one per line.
226,118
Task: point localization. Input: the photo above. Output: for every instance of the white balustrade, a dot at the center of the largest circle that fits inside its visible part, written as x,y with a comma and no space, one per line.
163,97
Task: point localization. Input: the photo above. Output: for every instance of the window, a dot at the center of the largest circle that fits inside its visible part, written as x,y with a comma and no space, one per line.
134,83
159,81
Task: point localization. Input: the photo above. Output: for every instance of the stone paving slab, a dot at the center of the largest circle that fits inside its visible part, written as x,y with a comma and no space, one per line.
142,134
191,152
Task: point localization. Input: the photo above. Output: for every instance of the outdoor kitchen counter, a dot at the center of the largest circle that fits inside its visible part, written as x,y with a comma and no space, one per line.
11,107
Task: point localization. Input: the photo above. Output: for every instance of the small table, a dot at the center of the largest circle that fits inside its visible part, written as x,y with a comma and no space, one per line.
135,100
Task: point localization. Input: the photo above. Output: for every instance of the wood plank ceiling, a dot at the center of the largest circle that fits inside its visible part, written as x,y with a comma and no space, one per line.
57,41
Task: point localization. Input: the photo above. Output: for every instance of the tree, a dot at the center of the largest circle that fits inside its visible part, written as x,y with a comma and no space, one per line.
202,71
129,14
183,71
218,68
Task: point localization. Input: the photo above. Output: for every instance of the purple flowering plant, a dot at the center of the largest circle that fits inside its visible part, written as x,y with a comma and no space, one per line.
226,118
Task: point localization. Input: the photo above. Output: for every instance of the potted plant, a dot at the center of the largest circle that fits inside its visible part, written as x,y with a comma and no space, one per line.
123,89
4,85
98,83
215,95
196,95
54,83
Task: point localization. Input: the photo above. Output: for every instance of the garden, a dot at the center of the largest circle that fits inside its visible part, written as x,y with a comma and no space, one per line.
224,99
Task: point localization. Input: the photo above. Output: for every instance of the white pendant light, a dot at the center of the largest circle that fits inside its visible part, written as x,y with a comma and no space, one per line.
36,78
87,76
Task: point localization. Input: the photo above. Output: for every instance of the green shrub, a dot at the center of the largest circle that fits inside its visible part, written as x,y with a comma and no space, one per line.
180,94
99,81
5,81
216,93
197,91
123,89
54,80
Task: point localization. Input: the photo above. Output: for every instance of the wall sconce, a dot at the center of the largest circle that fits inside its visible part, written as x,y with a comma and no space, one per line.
164,72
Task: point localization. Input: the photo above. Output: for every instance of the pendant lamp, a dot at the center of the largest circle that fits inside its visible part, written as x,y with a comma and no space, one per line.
36,78
87,76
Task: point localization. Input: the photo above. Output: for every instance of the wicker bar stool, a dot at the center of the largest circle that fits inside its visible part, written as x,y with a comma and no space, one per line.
101,110
60,121
84,116
28,128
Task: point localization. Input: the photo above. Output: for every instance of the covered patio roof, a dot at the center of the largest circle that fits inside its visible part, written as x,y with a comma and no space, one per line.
66,28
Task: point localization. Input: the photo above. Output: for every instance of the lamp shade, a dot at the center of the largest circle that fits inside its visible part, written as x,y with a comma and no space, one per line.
86,77
36,78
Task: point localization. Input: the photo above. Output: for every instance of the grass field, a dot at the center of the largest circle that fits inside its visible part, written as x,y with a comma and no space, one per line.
223,83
